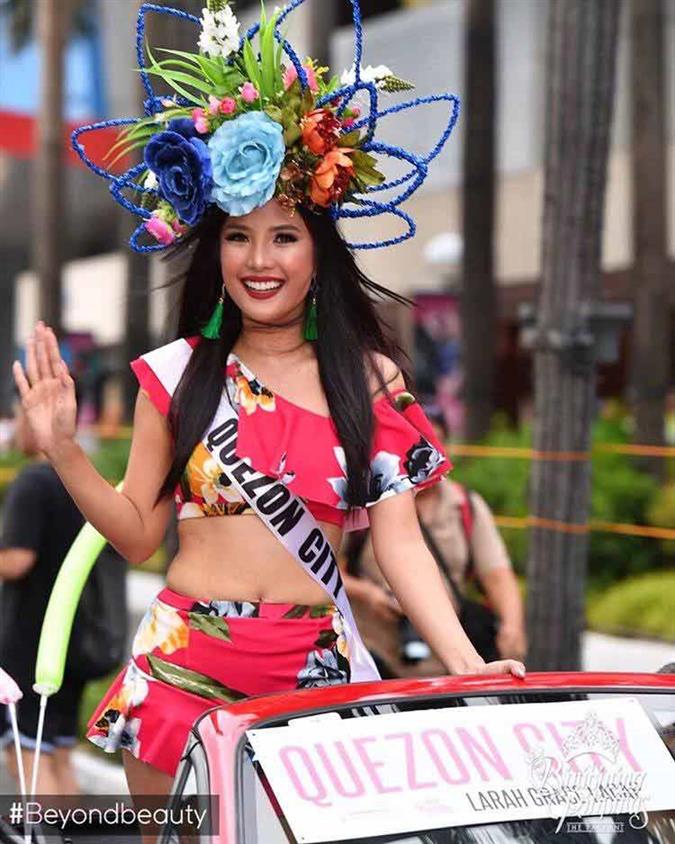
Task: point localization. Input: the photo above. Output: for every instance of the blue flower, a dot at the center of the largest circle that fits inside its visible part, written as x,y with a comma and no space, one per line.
183,168
246,155
183,126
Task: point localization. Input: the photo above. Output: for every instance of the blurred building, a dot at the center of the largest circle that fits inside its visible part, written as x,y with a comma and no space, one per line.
426,44
423,42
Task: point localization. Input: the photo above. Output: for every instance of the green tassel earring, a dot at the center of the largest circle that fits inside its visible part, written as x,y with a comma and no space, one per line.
211,330
311,331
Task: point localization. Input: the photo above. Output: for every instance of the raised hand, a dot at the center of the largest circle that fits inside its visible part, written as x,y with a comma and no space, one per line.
47,391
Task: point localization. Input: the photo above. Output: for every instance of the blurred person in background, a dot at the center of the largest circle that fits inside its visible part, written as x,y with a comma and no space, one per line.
39,524
461,533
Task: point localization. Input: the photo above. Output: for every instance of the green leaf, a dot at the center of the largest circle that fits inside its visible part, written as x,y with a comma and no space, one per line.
320,611
351,139
170,79
126,150
211,625
251,64
275,113
332,85
297,611
193,58
191,681
370,179
307,101
365,165
125,141
214,69
291,134
267,61
170,76
167,64
278,59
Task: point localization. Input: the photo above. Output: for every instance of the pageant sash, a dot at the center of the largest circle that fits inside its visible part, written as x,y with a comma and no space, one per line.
283,512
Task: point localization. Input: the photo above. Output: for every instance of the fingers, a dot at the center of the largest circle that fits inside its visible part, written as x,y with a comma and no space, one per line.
20,380
506,666
43,361
513,666
31,362
56,363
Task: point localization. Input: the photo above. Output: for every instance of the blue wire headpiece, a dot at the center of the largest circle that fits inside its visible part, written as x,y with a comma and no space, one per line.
203,155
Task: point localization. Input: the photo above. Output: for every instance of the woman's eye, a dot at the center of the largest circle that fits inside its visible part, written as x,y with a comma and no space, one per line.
233,236
284,237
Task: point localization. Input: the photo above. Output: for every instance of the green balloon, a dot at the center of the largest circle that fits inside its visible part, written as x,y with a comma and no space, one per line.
58,620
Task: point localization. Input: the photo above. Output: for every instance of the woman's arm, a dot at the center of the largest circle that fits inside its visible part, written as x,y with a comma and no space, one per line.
412,572
129,520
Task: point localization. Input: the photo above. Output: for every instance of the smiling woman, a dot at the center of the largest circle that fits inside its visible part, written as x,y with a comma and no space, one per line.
281,396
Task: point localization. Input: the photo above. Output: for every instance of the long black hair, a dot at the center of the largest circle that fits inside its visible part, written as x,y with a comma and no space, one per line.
349,332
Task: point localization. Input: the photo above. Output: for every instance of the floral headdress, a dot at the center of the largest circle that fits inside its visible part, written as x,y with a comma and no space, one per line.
249,121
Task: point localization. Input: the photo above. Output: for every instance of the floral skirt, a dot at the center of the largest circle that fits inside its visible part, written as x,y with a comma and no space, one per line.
189,655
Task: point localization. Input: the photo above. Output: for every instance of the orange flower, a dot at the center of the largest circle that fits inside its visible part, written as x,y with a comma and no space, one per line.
331,176
320,130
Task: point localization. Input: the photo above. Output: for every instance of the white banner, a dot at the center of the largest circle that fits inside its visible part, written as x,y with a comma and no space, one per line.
433,768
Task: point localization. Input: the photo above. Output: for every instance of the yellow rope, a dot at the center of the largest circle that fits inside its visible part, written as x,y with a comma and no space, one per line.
526,522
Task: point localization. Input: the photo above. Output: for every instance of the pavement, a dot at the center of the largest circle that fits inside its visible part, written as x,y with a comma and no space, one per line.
599,653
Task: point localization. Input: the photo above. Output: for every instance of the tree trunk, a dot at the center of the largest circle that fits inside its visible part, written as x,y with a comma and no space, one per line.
652,280
478,300
48,187
581,70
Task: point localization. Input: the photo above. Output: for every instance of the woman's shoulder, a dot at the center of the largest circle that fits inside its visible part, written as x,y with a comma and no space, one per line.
159,370
383,373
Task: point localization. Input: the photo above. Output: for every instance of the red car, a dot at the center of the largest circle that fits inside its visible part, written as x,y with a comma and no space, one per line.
449,759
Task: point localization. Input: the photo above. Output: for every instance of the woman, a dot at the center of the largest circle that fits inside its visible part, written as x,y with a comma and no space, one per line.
291,385
467,551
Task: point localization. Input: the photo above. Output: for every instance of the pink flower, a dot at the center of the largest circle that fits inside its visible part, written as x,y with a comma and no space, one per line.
214,104
355,110
249,93
228,105
178,227
348,122
200,120
160,230
291,74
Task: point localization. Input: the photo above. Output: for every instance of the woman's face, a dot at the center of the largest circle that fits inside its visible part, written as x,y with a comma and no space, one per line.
267,261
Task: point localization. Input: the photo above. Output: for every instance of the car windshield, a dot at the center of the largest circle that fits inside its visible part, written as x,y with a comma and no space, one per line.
600,765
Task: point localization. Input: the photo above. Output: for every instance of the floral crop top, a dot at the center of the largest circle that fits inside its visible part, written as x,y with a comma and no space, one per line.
296,445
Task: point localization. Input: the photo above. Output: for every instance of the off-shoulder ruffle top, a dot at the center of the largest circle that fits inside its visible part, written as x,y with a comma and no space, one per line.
296,445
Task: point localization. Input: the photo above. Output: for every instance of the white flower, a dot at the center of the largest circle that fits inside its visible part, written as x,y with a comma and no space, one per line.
368,74
220,33
150,181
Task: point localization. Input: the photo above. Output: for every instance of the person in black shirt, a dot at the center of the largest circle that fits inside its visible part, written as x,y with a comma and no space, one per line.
40,522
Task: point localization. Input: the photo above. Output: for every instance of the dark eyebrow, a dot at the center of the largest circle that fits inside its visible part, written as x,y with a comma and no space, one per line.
244,227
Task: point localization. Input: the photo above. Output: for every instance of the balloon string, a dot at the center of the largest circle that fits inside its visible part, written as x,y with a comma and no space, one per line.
17,747
38,745
19,765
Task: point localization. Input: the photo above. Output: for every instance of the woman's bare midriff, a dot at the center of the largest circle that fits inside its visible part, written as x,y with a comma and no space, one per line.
236,558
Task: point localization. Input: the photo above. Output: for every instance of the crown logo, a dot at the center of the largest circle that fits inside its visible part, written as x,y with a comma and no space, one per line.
591,736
